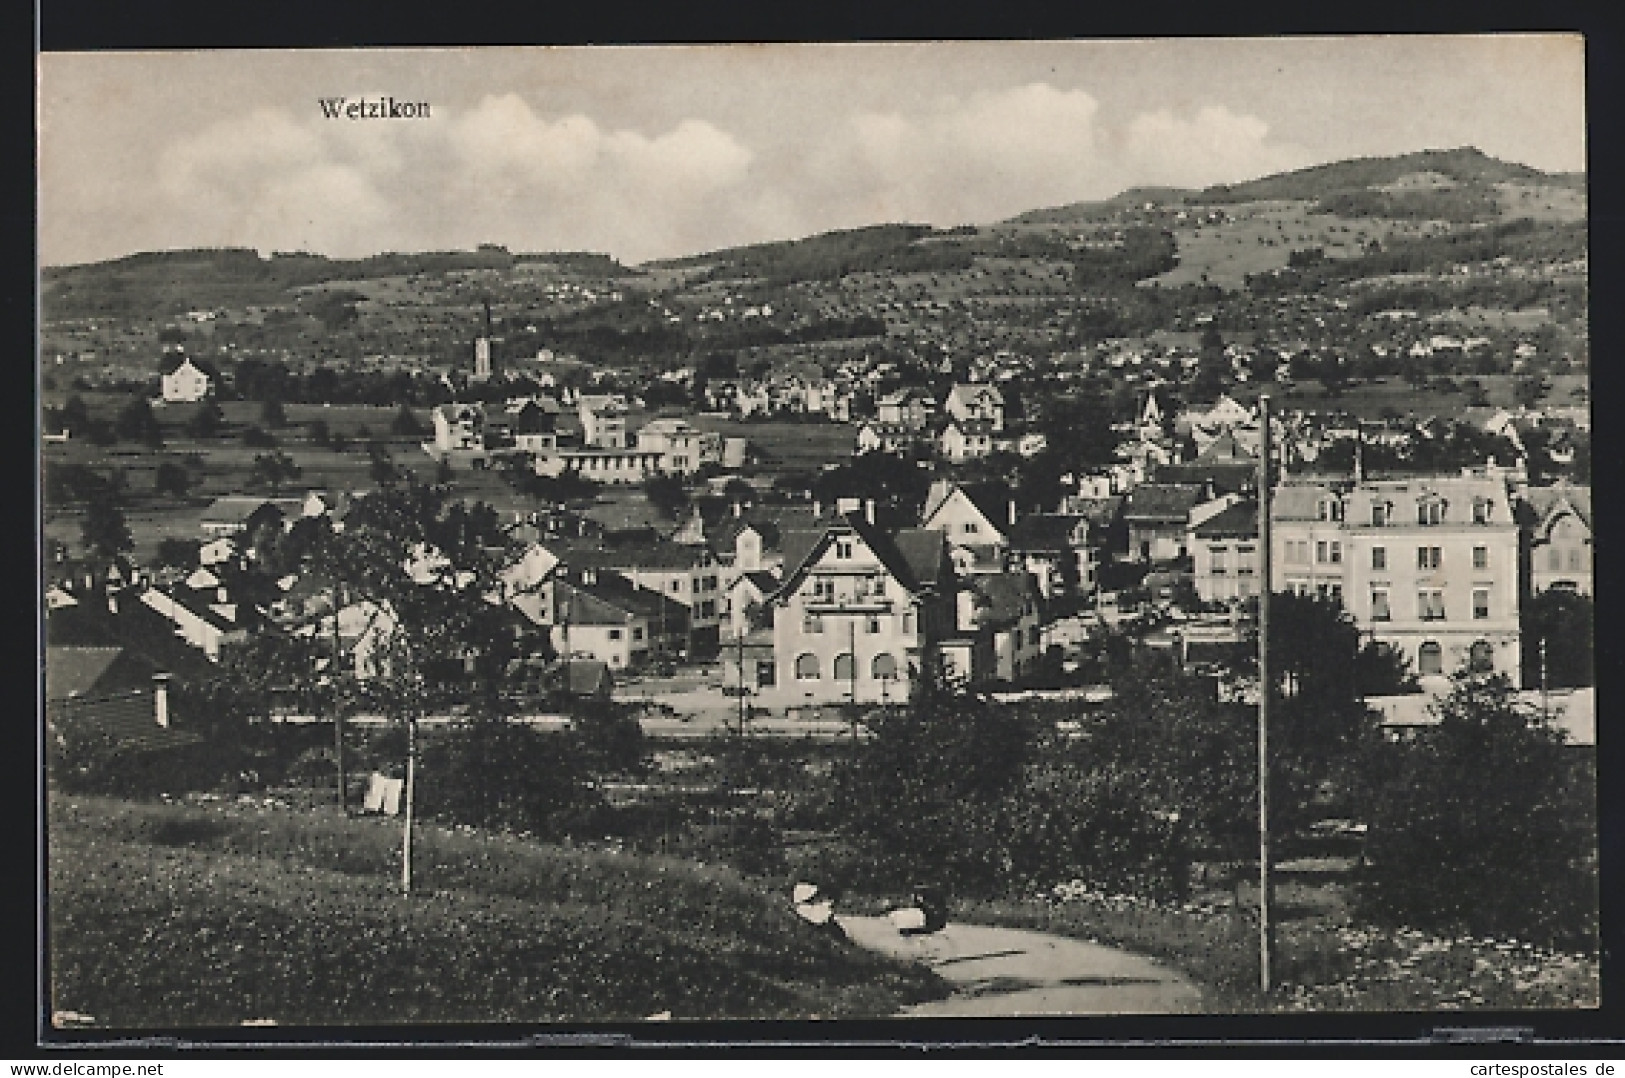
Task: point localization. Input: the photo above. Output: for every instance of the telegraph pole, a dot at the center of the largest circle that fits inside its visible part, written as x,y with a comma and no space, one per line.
1266,939
338,702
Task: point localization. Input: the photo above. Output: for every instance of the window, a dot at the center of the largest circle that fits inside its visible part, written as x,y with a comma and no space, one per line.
1431,511
1218,561
766,673
1430,604
843,548
812,623
1430,659
845,668
971,527
1481,511
1381,514
1328,552
1554,558
873,626
824,589
1481,603
1481,557
637,634
1247,559
1481,657
1379,605
1379,557
1576,558
908,622
676,587
1331,509
884,667
806,667
1429,557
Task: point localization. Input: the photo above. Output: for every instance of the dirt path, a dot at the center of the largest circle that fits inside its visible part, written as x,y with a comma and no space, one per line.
1008,971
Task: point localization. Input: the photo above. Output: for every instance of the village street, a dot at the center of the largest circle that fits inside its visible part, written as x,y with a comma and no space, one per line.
1005,972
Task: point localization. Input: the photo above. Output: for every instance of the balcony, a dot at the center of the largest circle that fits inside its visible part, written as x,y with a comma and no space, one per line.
849,604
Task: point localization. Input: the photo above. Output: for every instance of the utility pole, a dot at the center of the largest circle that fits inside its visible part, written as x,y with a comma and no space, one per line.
1266,941
338,703
739,639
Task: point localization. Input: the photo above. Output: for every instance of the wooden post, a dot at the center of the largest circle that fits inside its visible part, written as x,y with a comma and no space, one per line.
406,833
1265,928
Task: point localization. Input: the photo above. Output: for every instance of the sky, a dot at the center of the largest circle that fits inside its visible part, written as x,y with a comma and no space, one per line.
646,152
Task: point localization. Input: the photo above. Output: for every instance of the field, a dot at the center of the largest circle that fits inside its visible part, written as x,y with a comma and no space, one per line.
1372,400
170,915
790,446
1324,960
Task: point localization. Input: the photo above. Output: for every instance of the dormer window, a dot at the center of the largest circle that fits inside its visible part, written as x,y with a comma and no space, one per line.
1431,511
1481,510
1331,509
1381,514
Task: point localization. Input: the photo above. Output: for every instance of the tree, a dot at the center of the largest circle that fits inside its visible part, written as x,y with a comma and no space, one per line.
206,421
177,553
405,424
272,415
923,795
274,469
666,493
104,531
136,423
259,438
381,466
320,435
1486,824
1557,630
1529,389
172,479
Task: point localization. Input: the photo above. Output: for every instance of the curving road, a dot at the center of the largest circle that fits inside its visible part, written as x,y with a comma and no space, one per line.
1009,971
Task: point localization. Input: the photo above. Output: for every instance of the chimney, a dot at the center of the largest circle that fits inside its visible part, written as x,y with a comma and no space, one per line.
220,595
737,508
1012,512
112,600
160,698
869,510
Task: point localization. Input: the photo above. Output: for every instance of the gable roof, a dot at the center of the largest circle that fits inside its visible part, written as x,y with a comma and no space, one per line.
1044,531
966,393
916,557
1161,502
93,671
175,361
127,720
1548,502
1239,521
991,500
136,627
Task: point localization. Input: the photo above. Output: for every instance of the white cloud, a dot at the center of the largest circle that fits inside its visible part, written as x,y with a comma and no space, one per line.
501,171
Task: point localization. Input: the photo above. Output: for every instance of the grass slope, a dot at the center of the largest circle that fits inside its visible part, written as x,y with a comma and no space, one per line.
186,915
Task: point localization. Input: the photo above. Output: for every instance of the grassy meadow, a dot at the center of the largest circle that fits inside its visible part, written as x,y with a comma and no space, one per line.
194,915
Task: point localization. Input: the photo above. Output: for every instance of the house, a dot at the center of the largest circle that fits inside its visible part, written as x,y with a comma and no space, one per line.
910,407
878,437
976,403
588,624
188,380
960,440
458,428
1157,516
533,425
131,725
580,679
997,633
682,449
854,613
94,671
745,602
234,515
1428,564
603,420
974,519
1557,529
1225,556
199,623
1055,548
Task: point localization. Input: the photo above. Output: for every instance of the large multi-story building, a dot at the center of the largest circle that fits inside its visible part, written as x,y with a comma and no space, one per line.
855,612
1428,564
683,448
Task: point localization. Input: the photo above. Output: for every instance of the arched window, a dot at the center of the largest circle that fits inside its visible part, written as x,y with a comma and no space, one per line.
845,670
1430,659
884,667
1481,657
806,667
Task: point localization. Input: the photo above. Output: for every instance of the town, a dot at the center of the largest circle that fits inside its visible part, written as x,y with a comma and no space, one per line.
726,525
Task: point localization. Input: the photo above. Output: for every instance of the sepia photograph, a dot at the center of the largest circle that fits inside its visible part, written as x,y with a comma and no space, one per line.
556,536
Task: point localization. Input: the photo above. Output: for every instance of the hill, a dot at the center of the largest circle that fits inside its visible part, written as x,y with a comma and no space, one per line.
190,915
1089,212
1466,165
